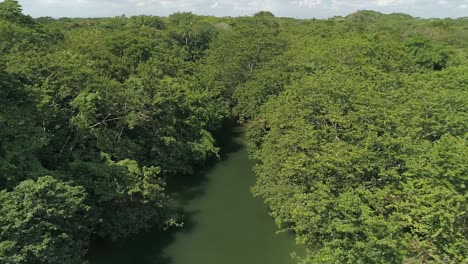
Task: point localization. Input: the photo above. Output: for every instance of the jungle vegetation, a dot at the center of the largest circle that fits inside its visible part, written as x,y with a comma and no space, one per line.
358,126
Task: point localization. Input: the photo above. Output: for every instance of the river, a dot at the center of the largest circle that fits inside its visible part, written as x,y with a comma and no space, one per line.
223,224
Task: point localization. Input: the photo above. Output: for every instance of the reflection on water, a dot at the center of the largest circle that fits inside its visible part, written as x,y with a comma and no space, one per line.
223,223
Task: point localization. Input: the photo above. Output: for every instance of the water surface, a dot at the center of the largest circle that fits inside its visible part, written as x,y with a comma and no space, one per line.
223,223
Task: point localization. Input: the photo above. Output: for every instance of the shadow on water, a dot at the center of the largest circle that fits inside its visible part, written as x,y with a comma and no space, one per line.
149,247
188,187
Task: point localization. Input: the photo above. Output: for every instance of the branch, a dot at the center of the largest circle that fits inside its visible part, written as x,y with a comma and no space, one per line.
105,120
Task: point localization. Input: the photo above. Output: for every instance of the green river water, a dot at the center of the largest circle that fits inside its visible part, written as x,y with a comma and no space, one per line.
224,223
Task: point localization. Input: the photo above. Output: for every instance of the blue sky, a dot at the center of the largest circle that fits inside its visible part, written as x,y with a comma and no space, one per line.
299,8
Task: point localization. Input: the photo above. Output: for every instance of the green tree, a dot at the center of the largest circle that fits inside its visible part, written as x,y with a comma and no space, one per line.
125,197
10,9
361,173
250,43
21,135
43,221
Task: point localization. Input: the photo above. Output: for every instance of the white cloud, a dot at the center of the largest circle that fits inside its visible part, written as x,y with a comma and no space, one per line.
215,5
293,8
311,3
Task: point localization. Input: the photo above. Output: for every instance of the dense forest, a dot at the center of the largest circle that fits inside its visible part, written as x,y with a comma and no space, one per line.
358,126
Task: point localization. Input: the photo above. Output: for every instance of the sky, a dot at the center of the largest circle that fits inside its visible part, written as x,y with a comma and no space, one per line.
281,8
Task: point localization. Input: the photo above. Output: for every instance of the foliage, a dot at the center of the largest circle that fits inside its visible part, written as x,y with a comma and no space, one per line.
362,151
21,135
343,168
126,198
43,221
111,110
358,127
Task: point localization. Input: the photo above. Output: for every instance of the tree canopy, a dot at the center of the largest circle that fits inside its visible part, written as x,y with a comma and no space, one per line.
358,127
